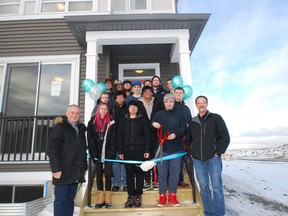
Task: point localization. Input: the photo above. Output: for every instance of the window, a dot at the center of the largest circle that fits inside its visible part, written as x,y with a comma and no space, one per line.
9,7
66,5
138,4
139,71
20,194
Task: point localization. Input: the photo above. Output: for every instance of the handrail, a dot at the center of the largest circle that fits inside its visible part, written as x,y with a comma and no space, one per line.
189,167
91,176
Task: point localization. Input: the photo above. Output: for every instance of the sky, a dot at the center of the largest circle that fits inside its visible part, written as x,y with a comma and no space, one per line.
241,64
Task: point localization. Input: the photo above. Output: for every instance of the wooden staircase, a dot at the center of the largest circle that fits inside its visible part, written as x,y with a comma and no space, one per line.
149,201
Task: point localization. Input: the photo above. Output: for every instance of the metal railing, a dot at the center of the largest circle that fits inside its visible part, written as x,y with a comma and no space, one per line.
29,208
24,138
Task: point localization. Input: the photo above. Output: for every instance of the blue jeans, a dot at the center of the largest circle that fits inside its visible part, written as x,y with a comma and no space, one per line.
212,168
168,174
117,173
64,199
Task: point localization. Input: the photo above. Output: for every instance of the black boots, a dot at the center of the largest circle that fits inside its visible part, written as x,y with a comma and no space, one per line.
134,201
138,201
130,202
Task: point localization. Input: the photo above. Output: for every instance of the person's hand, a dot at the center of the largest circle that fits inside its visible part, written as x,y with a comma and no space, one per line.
146,155
57,175
156,125
171,136
121,156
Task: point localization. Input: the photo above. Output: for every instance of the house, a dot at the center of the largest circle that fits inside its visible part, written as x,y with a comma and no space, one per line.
48,47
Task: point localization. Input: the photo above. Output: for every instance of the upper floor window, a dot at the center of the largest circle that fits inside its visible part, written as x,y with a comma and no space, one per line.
66,5
9,7
138,5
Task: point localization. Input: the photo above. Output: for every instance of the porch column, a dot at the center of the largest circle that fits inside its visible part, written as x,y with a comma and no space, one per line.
185,67
91,73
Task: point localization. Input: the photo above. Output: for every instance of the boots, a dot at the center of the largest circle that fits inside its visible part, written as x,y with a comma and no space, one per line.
130,202
100,199
108,199
138,201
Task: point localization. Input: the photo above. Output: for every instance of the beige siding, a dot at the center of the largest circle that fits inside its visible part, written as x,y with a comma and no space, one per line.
162,5
36,37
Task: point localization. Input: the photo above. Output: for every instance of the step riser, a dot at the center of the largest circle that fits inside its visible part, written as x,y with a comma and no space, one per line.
148,197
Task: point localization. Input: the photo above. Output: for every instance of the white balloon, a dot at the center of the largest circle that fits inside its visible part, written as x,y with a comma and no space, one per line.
95,92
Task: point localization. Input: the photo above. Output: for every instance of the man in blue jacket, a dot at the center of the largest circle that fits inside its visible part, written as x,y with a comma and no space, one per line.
208,138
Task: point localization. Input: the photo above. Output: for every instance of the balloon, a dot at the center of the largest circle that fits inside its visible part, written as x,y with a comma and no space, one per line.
95,93
188,91
177,81
87,84
102,86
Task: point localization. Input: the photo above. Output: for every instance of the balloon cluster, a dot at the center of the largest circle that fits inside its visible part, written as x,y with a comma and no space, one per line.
177,81
94,90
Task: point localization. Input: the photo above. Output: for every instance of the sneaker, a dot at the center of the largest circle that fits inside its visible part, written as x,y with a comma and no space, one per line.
146,186
162,200
184,185
115,188
172,199
155,186
125,188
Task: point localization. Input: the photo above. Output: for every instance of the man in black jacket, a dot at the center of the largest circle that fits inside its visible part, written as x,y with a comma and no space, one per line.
67,155
208,138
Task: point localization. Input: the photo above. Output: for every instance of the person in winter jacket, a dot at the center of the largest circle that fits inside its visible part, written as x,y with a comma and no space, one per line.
208,138
134,142
149,106
169,121
67,155
118,112
158,89
102,145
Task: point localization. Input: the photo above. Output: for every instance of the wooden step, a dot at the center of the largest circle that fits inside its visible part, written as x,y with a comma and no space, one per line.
186,209
149,208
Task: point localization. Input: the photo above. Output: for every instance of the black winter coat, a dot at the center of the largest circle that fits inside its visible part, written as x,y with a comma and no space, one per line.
172,122
203,141
134,134
96,139
67,152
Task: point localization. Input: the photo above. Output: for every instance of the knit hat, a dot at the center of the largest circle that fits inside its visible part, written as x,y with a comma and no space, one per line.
108,80
133,103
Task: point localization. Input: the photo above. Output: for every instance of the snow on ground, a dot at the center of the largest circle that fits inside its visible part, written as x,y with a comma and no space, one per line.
255,182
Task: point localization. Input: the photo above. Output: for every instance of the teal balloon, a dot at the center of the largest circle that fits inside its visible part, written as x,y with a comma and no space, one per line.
102,86
188,91
95,93
177,81
87,85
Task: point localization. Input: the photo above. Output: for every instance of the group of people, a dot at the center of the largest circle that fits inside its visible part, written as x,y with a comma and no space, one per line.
139,123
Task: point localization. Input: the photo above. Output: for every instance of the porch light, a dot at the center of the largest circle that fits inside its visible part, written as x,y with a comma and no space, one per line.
58,79
139,71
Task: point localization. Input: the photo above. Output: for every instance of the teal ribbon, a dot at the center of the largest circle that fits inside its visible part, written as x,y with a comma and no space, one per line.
168,157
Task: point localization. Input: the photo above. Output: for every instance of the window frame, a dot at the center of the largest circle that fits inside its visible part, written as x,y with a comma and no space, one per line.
122,67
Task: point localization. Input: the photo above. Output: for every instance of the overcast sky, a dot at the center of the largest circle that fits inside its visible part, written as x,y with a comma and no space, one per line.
241,64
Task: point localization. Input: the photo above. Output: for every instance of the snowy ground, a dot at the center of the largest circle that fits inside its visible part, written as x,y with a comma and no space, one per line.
255,183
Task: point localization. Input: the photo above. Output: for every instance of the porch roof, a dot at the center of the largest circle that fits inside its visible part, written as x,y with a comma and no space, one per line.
195,23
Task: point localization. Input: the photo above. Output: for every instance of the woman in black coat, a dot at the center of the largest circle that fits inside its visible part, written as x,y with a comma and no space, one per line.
102,144
134,143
